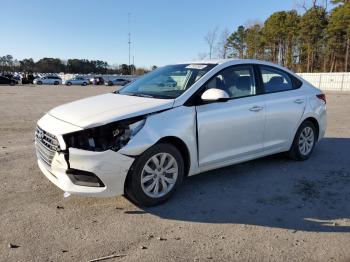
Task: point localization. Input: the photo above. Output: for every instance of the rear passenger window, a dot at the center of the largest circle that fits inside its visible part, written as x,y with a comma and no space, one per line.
275,80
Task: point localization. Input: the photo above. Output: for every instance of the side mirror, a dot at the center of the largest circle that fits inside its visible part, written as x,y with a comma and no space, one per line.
215,94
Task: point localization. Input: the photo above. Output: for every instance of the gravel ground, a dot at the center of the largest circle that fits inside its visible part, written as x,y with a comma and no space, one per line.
271,209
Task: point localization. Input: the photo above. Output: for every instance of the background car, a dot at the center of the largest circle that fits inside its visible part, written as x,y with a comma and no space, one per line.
97,80
7,81
28,79
78,80
48,80
117,82
16,78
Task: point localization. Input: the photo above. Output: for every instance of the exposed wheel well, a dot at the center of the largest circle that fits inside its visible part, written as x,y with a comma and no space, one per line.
314,121
181,146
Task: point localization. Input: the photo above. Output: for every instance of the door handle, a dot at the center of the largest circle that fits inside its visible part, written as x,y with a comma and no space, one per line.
299,101
256,108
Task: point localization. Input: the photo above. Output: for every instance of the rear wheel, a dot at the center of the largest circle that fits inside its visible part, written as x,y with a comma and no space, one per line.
56,83
39,83
69,84
12,83
84,84
304,142
155,175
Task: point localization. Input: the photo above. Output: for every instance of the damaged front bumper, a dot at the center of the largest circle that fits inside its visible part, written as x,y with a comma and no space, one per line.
77,171
109,167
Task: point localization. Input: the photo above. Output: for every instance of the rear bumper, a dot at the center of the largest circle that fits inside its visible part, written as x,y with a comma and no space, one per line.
109,166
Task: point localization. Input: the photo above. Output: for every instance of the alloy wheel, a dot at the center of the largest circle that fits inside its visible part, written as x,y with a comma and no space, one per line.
159,175
306,140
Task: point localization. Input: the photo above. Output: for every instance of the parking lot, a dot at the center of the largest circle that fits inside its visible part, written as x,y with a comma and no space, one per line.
271,209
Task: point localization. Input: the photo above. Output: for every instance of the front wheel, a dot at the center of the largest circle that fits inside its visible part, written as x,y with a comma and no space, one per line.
155,175
84,84
56,83
304,141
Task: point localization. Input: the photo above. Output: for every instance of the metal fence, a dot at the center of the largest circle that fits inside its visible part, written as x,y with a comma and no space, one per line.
328,81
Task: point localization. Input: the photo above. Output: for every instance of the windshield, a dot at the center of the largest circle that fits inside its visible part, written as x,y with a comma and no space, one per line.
167,82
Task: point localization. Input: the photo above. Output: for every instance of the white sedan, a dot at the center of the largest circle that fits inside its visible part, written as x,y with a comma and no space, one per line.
144,139
78,80
117,82
48,80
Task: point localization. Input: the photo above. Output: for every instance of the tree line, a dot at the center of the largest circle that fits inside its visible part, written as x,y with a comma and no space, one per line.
315,41
74,66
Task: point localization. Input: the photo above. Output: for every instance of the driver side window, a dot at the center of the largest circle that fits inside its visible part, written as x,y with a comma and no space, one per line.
236,81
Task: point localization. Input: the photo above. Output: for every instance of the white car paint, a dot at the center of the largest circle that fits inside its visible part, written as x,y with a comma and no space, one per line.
48,80
117,81
77,81
106,108
215,134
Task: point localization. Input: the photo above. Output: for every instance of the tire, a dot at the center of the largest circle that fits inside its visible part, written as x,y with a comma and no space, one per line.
305,134
12,83
69,84
136,190
84,84
39,83
56,83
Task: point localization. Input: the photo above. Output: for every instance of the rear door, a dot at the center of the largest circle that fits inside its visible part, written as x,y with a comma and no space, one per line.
285,104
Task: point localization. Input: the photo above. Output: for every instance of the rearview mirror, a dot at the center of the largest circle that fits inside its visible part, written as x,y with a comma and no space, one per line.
214,94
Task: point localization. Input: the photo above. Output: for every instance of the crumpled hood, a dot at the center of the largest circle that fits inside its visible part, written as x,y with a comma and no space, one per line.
107,108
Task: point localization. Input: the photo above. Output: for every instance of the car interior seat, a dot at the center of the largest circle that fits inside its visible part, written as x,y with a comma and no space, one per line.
275,83
243,87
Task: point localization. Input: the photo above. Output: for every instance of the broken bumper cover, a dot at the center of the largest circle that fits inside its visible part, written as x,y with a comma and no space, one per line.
109,167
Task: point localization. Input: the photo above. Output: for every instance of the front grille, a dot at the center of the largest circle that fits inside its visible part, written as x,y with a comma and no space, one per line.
46,145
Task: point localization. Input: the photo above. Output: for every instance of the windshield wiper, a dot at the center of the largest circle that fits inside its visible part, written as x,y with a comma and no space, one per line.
146,95
137,94
142,95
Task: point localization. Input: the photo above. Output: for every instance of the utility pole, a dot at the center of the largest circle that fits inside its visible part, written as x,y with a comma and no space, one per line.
129,42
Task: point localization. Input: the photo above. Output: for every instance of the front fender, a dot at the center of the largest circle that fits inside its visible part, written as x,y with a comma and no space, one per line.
177,122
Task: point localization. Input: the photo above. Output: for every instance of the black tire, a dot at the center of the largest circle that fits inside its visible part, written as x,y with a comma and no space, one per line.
56,83
134,189
39,83
12,83
69,84
84,84
295,151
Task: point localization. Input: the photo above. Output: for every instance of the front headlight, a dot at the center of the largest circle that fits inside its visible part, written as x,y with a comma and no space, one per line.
112,136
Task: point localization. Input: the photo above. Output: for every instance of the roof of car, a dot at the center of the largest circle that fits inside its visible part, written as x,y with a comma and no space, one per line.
209,61
222,61
236,61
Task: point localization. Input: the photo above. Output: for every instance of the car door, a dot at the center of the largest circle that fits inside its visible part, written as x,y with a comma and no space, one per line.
285,104
233,129
48,80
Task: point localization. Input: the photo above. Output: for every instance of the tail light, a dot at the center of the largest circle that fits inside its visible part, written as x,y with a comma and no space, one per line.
322,97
